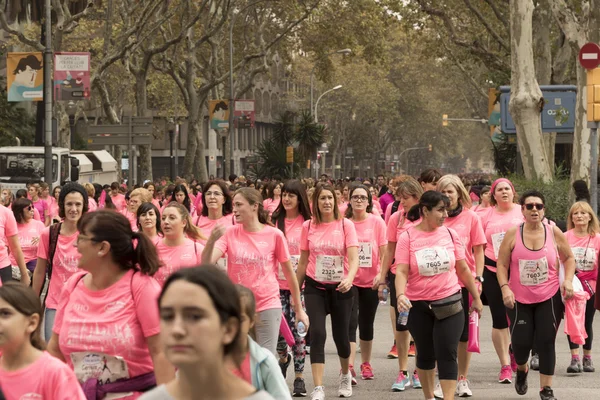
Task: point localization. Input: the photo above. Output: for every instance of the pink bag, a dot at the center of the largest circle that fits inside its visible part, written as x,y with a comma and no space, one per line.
286,332
473,343
575,317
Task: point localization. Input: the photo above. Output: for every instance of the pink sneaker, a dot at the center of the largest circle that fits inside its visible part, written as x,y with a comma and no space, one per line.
366,371
354,381
505,374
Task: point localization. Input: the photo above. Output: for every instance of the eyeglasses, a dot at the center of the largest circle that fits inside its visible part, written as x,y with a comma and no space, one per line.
213,194
537,206
359,198
29,208
84,237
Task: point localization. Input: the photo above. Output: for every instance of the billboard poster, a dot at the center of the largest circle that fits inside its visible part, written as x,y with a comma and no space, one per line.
72,76
244,114
24,76
218,111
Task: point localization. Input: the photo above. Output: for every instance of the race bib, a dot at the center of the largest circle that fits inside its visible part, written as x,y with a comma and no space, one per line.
329,268
222,264
497,239
104,368
365,255
433,261
585,258
533,272
294,260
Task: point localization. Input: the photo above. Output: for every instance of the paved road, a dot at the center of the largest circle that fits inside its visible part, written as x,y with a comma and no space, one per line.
483,374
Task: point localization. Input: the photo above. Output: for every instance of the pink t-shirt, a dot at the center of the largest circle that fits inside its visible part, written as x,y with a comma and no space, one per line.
343,207
293,232
156,203
132,219
271,205
371,235
206,224
189,254
495,226
119,201
42,207
388,211
327,244
253,261
468,226
27,232
585,249
53,210
92,205
36,215
102,333
377,206
8,228
534,274
244,371
431,257
47,378
64,264
395,227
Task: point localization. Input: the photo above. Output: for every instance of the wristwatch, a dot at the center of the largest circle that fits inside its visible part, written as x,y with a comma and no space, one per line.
479,278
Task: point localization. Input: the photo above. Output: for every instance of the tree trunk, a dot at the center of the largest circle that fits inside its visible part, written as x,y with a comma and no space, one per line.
200,154
526,97
141,102
580,168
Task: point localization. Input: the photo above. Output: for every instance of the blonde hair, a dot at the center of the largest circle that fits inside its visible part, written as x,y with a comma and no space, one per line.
145,195
463,196
593,225
410,187
190,230
89,188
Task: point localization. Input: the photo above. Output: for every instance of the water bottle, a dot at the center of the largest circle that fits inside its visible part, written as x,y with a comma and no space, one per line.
301,329
403,318
384,296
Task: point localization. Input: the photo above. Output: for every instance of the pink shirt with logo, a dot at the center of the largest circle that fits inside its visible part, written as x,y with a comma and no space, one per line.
293,232
586,250
189,254
27,232
8,228
327,239
253,261
431,258
468,226
64,264
534,273
395,227
47,378
119,201
206,224
109,327
495,225
371,234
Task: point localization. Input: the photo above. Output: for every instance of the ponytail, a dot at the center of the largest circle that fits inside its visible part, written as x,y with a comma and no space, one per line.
414,213
144,254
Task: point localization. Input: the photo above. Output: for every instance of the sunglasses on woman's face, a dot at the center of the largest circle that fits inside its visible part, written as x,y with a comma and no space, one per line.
537,206
29,208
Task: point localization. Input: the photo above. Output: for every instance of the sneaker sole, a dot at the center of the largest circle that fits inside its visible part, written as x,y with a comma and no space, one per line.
465,395
505,381
573,372
299,395
370,378
398,390
391,356
589,370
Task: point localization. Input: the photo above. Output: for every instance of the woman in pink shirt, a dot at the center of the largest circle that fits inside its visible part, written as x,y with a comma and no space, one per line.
468,227
45,195
430,261
584,238
289,217
371,234
532,296
54,206
328,264
217,208
148,221
106,328
179,247
39,204
91,191
503,215
409,191
136,198
484,201
117,198
29,234
254,251
60,262
180,195
26,370
273,196
149,186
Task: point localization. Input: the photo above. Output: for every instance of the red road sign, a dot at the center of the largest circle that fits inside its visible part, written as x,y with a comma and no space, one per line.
589,56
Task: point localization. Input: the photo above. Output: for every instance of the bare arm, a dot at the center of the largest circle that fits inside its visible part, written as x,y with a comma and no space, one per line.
15,249
53,348
290,277
502,264
39,275
163,370
302,264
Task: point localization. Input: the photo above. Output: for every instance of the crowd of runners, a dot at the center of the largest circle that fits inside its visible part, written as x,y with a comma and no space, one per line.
219,290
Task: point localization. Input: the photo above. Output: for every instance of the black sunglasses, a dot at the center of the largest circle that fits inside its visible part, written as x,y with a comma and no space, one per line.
537,206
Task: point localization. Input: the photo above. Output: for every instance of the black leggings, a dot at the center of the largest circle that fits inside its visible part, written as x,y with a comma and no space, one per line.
391,282
364,309
536,323
319,303
494,297
6,274
590,310
464,337
435,340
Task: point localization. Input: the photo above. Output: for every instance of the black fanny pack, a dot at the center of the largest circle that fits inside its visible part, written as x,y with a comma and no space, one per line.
447,307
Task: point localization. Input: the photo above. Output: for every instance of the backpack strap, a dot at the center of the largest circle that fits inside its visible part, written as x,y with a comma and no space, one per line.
395,206
54,233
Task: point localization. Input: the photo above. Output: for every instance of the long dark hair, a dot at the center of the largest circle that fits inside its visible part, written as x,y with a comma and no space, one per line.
17,208
186,200
115,228
227,206
144,208
25,301
350,191
270,191
428,200
293,187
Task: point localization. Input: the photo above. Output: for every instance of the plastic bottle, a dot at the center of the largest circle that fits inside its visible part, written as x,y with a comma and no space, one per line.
403,318
384,296
301,329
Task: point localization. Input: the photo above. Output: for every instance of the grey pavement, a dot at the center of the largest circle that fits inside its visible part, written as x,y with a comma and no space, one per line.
483,374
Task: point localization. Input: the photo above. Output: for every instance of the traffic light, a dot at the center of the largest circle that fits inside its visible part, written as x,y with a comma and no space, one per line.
289,154
430,148
593,95
445,120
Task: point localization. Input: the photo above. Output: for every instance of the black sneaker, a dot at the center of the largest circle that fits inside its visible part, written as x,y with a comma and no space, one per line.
575,367
284,366
299,388
547,394
588,365
521,382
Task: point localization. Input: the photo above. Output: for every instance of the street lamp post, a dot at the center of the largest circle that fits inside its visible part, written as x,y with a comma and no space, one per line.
171,127
316,114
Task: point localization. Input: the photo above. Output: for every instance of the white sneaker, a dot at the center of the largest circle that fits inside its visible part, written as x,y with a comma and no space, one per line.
462,388
345,389
318,393
438,393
